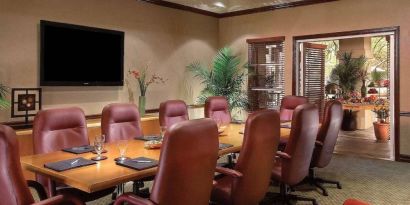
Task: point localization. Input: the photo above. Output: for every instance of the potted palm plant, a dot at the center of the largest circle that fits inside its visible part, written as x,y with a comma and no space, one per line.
3,101
347,73
378,77
224,78
381,126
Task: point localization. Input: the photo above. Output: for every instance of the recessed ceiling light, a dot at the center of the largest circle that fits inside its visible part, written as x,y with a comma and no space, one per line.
219,4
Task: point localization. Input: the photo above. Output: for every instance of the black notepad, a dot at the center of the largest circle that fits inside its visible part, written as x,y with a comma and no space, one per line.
289,126
68,164
139,163
148,138
79,149
224,145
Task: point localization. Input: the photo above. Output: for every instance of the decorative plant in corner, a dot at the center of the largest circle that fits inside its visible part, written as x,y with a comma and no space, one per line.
224,78
346,73
4,104
381,126
143,83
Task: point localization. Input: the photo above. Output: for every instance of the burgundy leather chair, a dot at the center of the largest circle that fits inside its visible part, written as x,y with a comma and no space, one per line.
171,112
54,130
14,189
354,202
217,108
186,166
120,121
289,104
325,143
293,164
248,183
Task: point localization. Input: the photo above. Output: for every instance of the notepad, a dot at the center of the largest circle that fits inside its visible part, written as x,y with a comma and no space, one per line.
79,149
148,138
224,145
68,164
139,163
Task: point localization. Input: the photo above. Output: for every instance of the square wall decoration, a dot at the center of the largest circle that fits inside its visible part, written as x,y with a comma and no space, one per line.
25,102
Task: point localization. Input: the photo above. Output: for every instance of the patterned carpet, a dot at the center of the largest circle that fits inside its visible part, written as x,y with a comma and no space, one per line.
379,182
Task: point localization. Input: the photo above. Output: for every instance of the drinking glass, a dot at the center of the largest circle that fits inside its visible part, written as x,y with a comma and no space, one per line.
122,147
163,130
99,147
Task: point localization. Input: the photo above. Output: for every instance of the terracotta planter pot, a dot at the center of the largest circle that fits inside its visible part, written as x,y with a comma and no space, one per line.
381,130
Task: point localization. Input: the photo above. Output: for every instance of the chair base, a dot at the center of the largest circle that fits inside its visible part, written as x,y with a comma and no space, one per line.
289,199
139,190
318,182
285,198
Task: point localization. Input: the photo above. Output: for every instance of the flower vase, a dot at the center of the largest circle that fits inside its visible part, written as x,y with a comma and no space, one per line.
141,105
363,89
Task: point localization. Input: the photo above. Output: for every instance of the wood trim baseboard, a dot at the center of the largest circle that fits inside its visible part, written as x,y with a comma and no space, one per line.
235,13
404,158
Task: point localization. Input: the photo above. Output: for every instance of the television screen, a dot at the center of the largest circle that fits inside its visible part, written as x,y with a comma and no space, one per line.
79,55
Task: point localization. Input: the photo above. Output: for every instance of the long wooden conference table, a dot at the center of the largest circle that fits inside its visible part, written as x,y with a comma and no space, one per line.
106,173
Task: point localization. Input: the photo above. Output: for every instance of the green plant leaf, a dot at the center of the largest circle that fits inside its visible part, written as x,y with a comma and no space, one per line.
225,78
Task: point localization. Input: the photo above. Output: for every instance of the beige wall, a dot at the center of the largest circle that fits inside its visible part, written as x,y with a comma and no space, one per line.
343,15
166,39
169,39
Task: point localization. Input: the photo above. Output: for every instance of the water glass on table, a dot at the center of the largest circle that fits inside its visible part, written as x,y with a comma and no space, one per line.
163,130
122,147
99,148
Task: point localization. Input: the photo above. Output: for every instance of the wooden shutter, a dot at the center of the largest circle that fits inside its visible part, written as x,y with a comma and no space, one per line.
314,74
266,72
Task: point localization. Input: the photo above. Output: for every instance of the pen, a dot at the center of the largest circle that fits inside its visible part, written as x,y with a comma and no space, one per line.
142,161
75,161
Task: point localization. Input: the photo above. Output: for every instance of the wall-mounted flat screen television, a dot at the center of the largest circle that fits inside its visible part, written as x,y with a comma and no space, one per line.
73,55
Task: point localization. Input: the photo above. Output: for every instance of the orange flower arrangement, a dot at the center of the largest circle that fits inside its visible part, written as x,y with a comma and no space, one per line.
381,109
141,77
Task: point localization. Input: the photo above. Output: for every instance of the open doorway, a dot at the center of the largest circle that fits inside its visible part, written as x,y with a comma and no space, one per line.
359,70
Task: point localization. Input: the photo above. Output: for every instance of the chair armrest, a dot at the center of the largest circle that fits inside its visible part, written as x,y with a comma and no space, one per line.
132,199
60,199
230,172
41,192
283,155
318,143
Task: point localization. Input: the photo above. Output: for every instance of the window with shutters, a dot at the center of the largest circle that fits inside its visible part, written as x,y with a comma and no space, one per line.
266,72
312,77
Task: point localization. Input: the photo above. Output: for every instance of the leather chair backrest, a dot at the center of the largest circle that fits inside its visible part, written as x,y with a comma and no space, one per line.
120,121
187,164
289,104
56,129
171,112
328,133
217,108
305,125
13,187
261,138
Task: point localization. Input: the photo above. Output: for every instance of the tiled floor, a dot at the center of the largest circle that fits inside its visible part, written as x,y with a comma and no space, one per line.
363,143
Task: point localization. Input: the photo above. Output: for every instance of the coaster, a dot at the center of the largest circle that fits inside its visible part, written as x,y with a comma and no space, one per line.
118,159
99,158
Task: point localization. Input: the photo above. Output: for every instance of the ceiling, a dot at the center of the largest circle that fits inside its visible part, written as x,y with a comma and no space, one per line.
226,6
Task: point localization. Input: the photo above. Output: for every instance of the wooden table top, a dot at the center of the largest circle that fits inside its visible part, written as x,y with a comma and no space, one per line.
358,106
106,173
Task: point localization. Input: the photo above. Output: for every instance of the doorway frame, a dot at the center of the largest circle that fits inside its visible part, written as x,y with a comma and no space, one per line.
396,32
